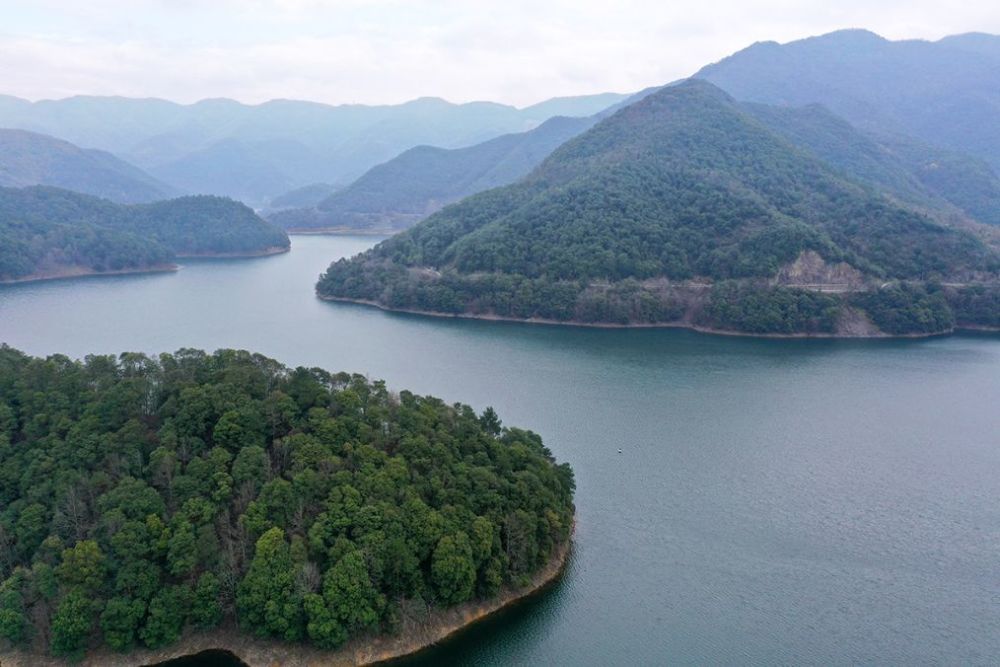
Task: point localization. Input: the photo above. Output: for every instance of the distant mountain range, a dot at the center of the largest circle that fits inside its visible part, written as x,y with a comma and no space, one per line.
687,207
945,93
27,158
257,152
401,192
408,188
397,194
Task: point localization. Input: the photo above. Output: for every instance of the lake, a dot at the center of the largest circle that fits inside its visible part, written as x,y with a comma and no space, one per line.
803,501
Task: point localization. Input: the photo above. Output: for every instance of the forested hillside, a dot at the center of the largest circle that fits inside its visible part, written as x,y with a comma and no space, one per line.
27,158
684,186
935,179
47,232
140,497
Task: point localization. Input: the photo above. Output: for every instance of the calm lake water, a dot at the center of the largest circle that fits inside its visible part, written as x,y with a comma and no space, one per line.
818,502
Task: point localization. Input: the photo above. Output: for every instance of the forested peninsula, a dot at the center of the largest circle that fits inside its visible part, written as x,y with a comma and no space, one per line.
687,209
226,498
48,232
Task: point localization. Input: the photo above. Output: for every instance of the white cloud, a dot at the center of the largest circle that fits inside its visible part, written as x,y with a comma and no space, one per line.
379,51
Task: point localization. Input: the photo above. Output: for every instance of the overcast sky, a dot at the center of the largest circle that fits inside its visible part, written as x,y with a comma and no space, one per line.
386,51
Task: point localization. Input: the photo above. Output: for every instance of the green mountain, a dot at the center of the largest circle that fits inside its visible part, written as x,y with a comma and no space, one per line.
682,207
257,152
145,499
422,180
27,158
943,182
944,93
48,232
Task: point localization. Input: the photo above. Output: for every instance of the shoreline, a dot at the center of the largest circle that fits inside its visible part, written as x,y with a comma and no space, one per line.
440,625
339,231
266,252
659,325
79,272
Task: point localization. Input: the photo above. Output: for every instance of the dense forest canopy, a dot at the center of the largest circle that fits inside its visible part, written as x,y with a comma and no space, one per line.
47,230
685,185
141,496
939,181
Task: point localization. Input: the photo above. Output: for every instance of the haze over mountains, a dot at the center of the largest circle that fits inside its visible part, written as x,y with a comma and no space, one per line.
27,158
398,193
257,152
946,93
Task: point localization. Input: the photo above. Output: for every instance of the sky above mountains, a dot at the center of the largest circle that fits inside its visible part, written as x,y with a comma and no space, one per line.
387,51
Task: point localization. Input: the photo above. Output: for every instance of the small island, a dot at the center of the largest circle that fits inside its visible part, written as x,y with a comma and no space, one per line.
48,232
156,507
688,209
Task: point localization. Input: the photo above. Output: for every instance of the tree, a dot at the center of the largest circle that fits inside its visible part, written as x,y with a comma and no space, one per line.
323,629
350,595
167,615
267,600
452,569
72,623
12,619
206,612
491,422
83,566
120,621
32,527
182,555
250,467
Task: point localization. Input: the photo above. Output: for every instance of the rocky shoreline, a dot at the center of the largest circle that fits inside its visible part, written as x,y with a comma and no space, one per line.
658,325
83,272
439,625
266,252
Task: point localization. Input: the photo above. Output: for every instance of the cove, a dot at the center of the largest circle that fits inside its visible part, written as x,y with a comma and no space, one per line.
794,501
205,659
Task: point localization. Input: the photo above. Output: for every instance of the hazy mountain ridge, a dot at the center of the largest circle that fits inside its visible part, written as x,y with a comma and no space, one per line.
198,143
420,181
306,196
28,158
945,93
400,192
